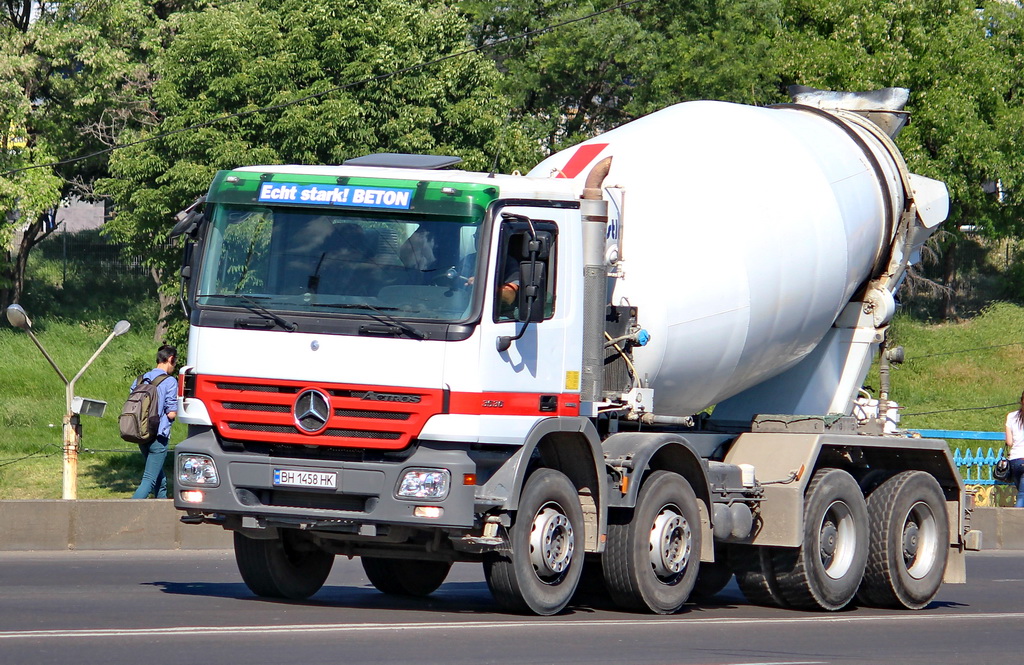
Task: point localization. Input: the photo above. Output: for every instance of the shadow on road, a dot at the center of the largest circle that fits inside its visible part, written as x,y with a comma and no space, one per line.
452,597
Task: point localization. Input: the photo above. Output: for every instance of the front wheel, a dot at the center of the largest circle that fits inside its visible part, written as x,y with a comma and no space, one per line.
540,572
826,570
405,577
651,561
910,542
289,566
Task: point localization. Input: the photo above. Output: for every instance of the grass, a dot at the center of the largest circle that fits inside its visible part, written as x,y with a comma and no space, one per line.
965,375
73,306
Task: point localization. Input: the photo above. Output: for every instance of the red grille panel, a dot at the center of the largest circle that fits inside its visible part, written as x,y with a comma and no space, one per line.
377,417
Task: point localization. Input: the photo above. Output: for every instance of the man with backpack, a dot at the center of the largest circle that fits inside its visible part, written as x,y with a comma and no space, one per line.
155,452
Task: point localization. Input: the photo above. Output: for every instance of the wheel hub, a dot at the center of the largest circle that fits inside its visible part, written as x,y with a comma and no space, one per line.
828,541
837,540
671,543
552,542
921,544
910,532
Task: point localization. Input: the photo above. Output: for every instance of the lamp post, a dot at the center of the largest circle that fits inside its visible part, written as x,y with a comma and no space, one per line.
72,427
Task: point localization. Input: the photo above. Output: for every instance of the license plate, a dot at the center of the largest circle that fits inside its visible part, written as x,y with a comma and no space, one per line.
298,478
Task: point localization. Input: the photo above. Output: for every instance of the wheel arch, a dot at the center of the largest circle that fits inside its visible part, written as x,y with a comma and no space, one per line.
641,454
571,446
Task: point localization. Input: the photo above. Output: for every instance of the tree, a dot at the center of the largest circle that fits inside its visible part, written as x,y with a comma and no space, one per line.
275,82
611,65
962,64
63,68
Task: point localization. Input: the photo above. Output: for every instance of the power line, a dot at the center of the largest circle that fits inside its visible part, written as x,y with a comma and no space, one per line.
966,408
951,353
300,100
36,453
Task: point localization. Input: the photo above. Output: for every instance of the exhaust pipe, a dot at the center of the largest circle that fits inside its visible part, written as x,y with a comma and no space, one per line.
594,215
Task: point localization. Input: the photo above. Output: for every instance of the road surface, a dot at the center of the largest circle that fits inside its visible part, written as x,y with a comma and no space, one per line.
192,607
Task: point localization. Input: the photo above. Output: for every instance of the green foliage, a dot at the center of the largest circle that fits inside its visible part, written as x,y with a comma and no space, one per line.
962,64
79,278
64,79
221,65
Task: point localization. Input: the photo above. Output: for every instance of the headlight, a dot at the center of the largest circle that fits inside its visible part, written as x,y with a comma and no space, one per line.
197,470
424,484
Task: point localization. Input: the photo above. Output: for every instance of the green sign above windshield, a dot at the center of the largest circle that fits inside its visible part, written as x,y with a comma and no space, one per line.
429,197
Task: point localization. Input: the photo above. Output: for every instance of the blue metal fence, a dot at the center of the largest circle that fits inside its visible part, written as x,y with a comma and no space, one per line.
975,466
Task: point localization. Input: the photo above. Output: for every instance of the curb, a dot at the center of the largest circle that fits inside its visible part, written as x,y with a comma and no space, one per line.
154,524
106,524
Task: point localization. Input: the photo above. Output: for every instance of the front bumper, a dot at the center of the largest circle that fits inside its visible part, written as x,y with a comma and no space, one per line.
365,494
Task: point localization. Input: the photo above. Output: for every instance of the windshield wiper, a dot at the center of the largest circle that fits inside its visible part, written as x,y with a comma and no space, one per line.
383,317
250,304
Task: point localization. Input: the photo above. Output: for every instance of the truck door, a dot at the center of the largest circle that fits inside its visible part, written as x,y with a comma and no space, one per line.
534,359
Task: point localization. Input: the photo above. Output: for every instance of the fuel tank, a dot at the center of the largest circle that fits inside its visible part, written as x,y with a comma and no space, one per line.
745,232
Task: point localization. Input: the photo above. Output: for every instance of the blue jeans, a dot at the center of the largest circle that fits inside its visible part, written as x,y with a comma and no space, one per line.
1017,477
153,479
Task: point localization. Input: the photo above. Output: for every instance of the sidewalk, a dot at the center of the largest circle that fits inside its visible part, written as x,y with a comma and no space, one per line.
124,524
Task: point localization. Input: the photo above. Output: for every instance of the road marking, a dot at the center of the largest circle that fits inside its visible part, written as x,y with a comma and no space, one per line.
217,631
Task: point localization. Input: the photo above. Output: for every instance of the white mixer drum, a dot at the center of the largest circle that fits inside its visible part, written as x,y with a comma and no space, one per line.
745,232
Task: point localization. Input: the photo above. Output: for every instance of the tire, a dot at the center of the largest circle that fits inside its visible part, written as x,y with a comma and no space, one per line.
755,575
405,577
713,576
540,571
286,567
651,562
827,569
909,545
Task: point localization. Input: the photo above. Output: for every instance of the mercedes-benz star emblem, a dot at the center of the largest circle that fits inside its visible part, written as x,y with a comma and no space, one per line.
312,411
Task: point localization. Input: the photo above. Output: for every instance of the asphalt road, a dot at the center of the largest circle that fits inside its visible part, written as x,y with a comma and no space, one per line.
191,607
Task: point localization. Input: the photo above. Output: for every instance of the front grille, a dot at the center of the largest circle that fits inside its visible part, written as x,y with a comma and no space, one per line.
263,410
259,408
256,387
380,415
285,429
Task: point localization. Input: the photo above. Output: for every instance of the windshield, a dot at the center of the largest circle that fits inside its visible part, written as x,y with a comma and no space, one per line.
300,260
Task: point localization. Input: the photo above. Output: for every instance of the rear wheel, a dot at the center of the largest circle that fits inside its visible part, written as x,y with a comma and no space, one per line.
910,542
651,562
713,576
755,575
405,577
540,572
825,572
289,566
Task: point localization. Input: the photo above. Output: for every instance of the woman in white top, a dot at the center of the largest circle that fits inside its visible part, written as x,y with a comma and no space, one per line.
1015,448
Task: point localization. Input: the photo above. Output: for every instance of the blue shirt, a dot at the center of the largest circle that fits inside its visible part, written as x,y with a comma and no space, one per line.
168,396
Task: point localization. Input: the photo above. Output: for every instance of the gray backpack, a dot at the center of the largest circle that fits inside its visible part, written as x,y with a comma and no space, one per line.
140,417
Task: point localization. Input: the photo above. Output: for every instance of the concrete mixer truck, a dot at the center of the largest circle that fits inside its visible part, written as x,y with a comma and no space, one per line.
642,357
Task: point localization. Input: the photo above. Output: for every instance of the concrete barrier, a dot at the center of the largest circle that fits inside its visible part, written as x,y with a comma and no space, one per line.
114,524
155,525
1003,528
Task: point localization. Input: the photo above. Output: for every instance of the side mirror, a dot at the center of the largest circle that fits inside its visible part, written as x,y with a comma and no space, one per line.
189,219
533,291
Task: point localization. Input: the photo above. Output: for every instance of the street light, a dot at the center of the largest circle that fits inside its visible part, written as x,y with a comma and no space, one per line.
72,428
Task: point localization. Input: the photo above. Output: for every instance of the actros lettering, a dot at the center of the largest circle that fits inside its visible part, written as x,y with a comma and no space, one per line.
371,396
